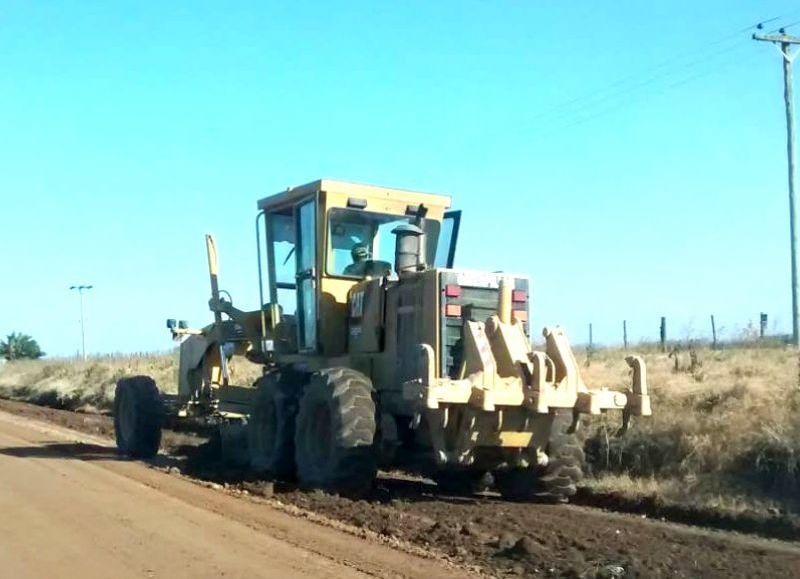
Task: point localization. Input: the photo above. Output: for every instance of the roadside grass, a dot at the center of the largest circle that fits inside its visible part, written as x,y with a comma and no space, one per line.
84,386
725,434
88,386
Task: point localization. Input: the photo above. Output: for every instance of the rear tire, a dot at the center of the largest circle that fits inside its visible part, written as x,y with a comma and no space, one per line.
335,433
271,426
138,415
558,480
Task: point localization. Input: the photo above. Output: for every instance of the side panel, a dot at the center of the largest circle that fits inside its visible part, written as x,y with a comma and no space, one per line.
411,319
192,350
365,317
333,315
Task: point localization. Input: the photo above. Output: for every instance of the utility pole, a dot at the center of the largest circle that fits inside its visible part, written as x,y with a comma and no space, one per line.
713,333
784,43
81,289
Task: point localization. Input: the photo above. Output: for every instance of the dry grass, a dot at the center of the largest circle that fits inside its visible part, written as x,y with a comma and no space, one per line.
77,385
89,386
725,432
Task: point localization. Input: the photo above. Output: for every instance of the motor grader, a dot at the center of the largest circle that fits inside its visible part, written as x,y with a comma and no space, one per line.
375,349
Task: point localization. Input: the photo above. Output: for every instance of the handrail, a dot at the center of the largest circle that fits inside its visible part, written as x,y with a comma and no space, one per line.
260,275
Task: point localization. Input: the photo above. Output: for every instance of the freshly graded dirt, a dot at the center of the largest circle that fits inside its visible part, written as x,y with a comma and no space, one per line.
74,509
497,538
555,540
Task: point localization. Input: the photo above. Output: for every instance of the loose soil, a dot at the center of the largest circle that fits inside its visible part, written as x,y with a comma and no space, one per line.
485,533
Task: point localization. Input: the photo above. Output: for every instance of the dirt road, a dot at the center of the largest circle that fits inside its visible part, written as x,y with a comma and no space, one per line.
74,510
176,526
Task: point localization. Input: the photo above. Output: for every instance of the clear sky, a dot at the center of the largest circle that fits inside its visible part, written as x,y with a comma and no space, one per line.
628,156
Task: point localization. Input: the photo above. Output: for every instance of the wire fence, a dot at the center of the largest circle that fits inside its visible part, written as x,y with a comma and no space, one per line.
710,330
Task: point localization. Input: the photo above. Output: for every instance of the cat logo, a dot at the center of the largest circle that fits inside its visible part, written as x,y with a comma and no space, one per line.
357,304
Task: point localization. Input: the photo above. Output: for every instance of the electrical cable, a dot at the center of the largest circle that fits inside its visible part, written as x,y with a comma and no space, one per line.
623,98
652,73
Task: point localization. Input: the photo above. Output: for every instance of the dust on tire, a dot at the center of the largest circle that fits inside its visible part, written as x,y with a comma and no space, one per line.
272,425
559,479
335,433
138,416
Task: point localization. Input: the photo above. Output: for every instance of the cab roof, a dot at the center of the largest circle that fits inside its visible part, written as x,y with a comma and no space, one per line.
357,190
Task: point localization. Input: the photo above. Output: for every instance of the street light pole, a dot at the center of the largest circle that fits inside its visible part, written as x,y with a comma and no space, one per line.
81,289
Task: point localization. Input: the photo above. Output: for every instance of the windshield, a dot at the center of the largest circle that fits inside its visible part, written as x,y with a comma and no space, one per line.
361,243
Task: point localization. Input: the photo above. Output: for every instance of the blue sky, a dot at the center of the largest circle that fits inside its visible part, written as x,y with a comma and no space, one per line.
628,156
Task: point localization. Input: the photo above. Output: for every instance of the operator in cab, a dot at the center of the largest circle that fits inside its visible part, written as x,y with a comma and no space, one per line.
360,255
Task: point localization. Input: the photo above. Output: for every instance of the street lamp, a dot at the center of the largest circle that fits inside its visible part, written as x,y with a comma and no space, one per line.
81,289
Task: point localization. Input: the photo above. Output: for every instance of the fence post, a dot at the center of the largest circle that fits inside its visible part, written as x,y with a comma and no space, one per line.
713,333
663,334
625,333
591,340
762,330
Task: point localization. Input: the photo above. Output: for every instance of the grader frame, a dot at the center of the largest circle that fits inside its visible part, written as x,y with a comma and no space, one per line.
376,365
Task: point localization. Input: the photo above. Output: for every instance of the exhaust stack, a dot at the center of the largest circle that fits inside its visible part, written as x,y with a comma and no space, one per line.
409,249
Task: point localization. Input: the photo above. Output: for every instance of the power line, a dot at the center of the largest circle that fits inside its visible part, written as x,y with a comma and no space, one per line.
791,14
596,110
634,88
760,25
653,75
624,90
657,78
710,72
578,120
785,26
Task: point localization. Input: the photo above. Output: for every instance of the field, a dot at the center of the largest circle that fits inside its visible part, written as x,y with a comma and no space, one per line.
724,437
725,433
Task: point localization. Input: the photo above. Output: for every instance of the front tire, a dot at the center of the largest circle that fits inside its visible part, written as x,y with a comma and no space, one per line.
271,426
138,416
335,433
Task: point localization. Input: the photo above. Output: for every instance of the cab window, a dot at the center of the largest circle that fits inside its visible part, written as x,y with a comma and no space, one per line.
361,243
282,237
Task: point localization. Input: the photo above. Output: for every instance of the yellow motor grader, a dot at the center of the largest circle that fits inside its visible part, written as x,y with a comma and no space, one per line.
374,349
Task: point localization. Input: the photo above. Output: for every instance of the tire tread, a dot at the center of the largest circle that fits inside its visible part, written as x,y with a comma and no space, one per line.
148,413
558,480
351,465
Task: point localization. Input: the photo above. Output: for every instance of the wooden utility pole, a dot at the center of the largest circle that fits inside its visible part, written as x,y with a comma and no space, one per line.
625,333
784,43
713,333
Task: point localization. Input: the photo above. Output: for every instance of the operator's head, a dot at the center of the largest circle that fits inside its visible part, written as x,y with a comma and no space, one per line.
359,252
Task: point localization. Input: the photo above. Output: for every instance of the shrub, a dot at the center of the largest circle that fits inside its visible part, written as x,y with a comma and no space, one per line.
20,347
